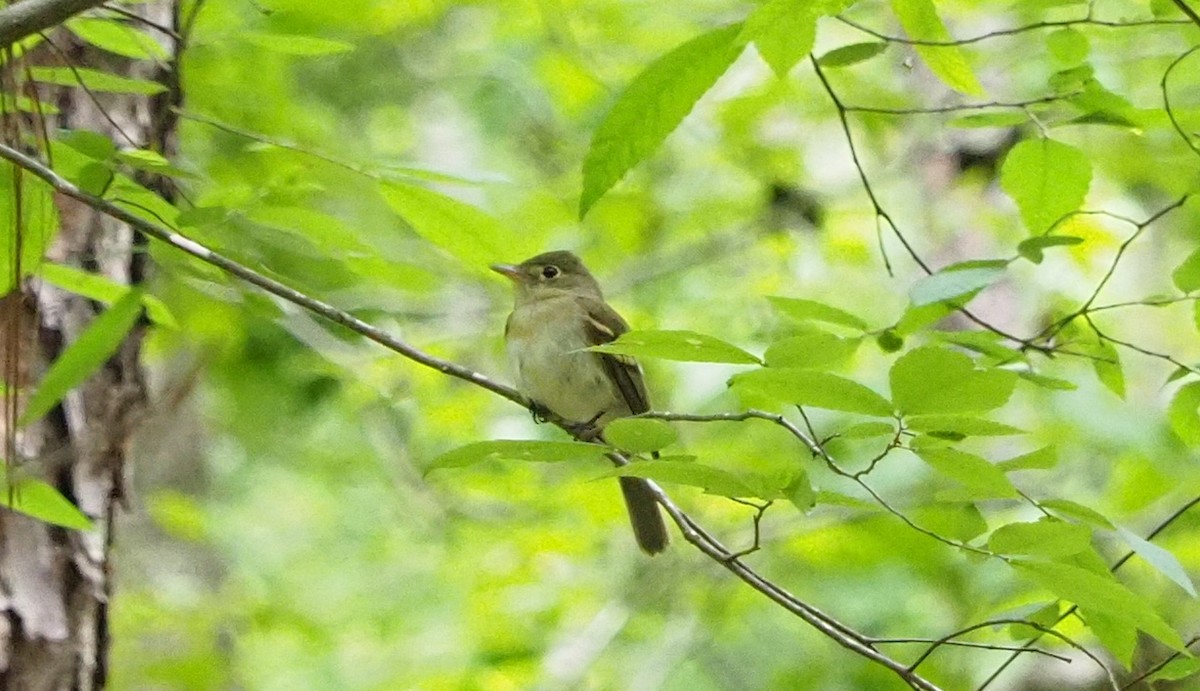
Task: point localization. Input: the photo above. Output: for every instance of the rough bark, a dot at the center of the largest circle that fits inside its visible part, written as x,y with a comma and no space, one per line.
55,584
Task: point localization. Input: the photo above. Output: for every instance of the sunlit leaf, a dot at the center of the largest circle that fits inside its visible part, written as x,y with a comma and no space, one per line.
36,498
1046,537
920,21
653,104
811,310
95,80
815,350
1031,248
783,30
1071,509
931,379
1184,413
1047,179
685,346
960,425
985,480
516,450
460,229
682,472
39,224
1099,593
639,435
117,37
1041,459
85,355
814,388
852,54
1177,669
102,289
1161,559
1187,275
953,282
1107,365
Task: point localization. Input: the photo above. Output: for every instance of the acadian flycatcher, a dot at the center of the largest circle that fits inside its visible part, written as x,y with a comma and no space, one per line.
558,313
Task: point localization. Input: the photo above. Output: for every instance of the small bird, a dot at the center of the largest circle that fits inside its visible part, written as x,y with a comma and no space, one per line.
558,313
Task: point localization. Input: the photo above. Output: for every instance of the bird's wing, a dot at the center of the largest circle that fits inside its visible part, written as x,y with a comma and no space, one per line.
602,325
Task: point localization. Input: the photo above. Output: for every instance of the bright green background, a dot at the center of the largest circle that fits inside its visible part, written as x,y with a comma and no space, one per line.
284,535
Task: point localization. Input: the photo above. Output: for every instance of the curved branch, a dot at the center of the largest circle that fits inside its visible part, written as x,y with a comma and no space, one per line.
692,532
28,17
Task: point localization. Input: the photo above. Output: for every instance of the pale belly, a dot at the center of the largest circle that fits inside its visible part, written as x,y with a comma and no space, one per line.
554,370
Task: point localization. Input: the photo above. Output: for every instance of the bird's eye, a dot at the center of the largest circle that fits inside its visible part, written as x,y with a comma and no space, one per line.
550,272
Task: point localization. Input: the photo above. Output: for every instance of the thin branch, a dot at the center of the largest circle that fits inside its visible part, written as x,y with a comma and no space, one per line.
28,17
1187,139
1191,14
1013,31
1042,630
973,644
692,531
963,107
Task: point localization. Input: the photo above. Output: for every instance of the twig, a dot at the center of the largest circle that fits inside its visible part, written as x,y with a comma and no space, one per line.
1013,31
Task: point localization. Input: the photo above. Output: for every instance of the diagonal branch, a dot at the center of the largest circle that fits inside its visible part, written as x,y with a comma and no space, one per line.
28,17
692,531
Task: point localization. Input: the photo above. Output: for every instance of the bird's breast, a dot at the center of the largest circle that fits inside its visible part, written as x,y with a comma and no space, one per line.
552,365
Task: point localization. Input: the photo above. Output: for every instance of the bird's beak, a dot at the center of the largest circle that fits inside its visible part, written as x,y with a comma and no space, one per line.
510,271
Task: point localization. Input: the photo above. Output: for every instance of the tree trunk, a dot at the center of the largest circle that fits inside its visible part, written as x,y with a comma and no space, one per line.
55,583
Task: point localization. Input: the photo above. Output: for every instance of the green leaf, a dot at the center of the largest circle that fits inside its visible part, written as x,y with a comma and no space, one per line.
94,178
800,492
39,217
711,480
783,30
1047,179
1041,459
86,355
867,430
1068,47
960,521
1179,668
684,346
95,80
889,341
1182,414
932,379
516,450
639,435
1052,383
1099,593
42,501
1160,559
953,282
1002,118
960,426
1187,275
852,54
811,310
652,106
91,144
814,388
103,289
1115,634
296,44
1078,511
983,479
460,229
117,37
1047,537
1031,248
817,349
1107,364
921,22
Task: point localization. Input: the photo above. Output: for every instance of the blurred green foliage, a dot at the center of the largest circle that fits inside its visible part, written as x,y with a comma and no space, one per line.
289,532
